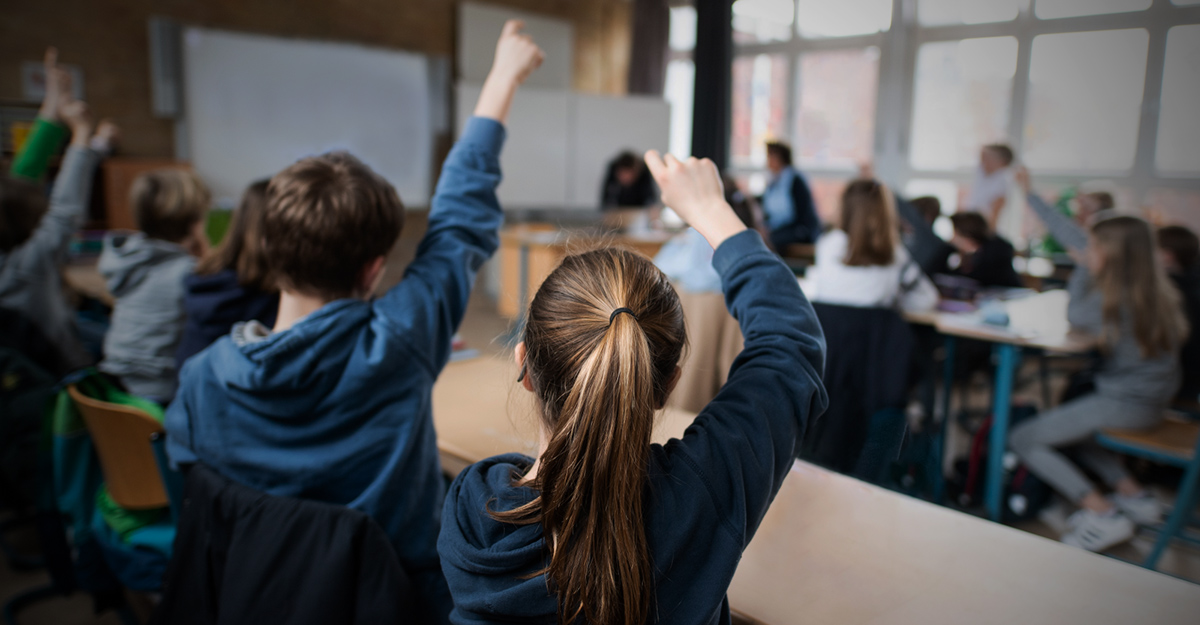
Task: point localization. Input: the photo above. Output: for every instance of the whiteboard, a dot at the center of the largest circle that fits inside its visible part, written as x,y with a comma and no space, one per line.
535,156
604,126
256,104
479,26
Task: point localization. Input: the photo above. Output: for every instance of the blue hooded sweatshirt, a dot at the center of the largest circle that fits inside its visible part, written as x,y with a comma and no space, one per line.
706,494
213,303
337,407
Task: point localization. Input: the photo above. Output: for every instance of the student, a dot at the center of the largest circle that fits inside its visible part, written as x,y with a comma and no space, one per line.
989,190
333,402
787,203
603,526
232,283
34,242
627,184
145,271
862,263
1179,250
983,256
1119,293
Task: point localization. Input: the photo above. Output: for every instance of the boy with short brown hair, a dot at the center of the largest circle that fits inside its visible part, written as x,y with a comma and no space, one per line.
333,402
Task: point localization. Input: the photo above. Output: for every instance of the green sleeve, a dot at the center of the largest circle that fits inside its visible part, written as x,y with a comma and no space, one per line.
44,140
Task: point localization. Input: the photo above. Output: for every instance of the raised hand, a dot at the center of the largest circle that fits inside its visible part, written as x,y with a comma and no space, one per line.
692,188
57,83
516,57
76,116
106,137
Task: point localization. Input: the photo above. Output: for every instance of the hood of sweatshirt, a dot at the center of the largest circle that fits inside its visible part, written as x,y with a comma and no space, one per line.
219,299
486,560
129,257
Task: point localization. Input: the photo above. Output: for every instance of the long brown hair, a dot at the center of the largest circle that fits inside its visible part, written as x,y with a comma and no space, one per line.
242,248
600,373
869,221
1132,278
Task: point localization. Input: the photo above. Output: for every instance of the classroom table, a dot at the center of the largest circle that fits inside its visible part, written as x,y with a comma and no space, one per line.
86,280
832,549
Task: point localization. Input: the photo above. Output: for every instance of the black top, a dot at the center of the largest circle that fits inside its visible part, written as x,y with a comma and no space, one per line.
1189,287
643,191
991,264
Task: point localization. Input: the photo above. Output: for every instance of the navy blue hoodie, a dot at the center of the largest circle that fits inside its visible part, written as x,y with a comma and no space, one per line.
213,303
706,493
337,407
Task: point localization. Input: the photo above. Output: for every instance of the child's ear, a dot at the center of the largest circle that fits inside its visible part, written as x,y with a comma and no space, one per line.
523,378
671,386
372,273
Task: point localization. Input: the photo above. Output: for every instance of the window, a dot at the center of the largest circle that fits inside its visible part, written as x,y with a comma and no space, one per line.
1085,98
945,12
1051,9
683,28
762,20
823,18
680,86
835,114
961,100
1178,149
759,106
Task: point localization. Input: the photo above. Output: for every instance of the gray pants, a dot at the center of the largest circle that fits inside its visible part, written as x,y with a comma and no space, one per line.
1074,424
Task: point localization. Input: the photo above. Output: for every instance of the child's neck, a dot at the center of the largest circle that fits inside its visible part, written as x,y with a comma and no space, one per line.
295,306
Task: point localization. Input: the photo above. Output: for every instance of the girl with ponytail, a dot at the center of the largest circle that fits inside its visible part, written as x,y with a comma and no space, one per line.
604,527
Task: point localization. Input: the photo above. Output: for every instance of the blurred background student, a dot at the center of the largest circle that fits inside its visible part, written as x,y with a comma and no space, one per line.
1179,250
787,203
232,283
628,184
989,189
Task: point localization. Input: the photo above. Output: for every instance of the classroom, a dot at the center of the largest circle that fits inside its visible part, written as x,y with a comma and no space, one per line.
736,312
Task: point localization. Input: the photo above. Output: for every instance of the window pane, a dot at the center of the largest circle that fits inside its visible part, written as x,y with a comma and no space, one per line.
943,12
835,116
961,102
683,28
762,20
759,106
1178,131
1050,9
823,18
680,83
1085,98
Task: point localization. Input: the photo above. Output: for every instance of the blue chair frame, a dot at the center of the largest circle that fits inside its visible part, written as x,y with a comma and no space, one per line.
1185,501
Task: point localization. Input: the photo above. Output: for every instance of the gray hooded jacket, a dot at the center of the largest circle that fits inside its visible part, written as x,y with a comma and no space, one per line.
145,277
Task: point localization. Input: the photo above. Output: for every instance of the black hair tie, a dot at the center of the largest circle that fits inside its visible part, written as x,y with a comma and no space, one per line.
619,311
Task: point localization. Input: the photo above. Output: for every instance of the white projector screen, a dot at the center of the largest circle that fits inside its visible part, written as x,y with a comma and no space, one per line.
256,104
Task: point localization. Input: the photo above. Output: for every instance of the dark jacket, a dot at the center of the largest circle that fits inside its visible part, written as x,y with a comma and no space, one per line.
991,264
706,494
643,191
805,224
866,373
242,556
1189,288
213,303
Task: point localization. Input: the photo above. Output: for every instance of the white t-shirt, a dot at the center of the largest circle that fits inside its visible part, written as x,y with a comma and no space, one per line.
879,286
985,189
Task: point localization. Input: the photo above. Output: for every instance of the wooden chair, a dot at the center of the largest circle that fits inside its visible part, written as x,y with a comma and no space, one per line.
121,436
1174,442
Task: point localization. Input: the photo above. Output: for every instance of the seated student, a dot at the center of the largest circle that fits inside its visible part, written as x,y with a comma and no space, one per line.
861,263
603,526
232,283
627,184
923,244
145,271
34,242
983,256
787,203
333,402
1119,293
1179,250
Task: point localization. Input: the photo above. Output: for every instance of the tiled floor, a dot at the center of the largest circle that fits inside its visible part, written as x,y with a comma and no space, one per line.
486,331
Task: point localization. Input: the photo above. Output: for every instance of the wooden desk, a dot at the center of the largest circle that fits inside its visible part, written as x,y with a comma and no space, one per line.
529,252
87,281
835,550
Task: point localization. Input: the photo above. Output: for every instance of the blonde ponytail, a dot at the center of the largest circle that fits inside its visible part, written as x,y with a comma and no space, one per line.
604,335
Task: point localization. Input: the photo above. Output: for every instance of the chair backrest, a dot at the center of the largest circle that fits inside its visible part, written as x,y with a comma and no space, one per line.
121,436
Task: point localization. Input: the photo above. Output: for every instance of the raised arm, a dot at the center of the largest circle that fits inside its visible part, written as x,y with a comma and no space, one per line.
1062,227
744,442
47,133
427,306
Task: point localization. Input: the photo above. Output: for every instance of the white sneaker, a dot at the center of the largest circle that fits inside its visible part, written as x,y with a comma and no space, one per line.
1143,510
1097,532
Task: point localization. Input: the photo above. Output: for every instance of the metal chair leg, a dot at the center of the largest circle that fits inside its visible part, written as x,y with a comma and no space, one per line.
1185,502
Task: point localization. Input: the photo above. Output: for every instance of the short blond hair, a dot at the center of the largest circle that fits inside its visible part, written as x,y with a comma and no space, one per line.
167,203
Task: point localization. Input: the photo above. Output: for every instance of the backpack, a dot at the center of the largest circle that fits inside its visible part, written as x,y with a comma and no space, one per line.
1024,494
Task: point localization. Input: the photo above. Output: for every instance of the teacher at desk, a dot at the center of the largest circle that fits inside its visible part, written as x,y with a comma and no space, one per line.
787,203
628,184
